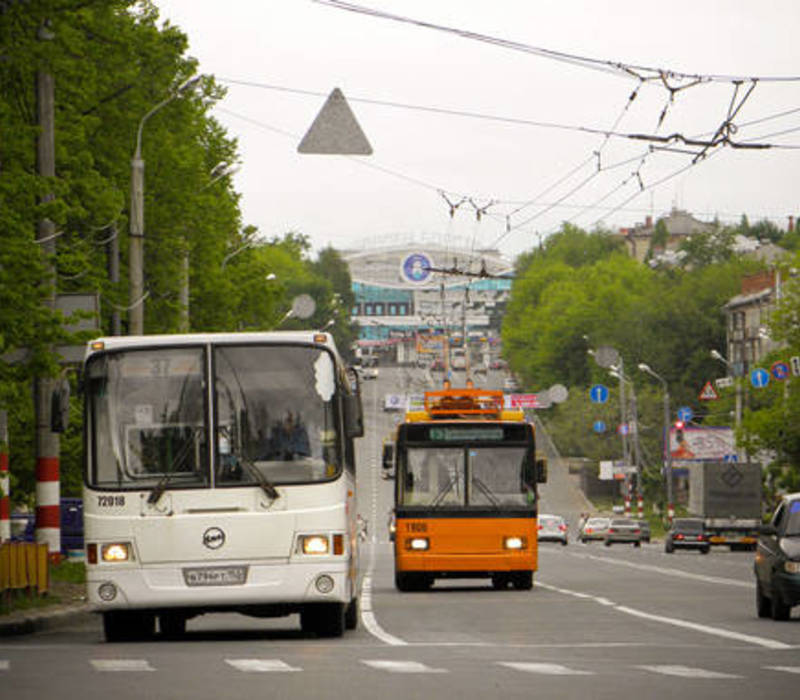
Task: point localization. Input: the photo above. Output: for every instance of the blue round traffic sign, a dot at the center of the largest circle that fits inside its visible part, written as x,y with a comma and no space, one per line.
779,370
759,378
685,414
598,393
599,426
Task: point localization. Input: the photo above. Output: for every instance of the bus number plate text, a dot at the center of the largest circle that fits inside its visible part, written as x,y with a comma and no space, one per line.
215,576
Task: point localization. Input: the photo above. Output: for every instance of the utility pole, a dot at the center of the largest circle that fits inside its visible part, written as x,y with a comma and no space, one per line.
113,275
48,516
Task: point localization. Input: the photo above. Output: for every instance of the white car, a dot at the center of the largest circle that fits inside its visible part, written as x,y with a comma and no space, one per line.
552,528
369,373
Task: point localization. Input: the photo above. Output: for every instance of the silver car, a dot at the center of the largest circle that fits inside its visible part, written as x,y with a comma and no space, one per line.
623,530
552,528
594,529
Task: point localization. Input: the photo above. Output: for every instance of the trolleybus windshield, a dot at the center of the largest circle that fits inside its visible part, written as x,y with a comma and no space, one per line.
464,465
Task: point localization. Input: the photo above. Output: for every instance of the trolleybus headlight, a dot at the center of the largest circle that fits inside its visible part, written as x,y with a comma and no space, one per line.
419,544
116,551
314,544
792,567
514,542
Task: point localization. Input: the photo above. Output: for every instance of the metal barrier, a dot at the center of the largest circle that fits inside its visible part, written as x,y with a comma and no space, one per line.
24,567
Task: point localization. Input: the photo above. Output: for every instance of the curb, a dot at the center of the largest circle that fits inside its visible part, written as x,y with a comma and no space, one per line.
35,621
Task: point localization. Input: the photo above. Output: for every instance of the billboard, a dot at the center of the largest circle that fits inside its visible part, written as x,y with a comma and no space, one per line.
708,444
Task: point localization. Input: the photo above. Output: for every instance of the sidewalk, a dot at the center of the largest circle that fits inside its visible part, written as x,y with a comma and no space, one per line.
37,619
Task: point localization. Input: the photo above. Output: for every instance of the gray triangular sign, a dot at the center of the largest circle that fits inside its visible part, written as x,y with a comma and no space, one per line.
335,130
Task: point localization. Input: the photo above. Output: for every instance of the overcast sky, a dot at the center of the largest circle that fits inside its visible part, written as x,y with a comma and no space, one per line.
513,127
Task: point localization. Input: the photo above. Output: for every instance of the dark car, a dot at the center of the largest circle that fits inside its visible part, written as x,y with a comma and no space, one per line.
644,526
777,562
687,533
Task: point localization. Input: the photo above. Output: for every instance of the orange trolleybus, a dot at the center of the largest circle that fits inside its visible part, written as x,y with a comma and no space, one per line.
466,492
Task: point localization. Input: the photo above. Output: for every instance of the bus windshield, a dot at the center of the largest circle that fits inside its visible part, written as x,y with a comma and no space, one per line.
463,476
149,416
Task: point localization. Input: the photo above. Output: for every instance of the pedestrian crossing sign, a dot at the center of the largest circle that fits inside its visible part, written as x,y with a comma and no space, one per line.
709,393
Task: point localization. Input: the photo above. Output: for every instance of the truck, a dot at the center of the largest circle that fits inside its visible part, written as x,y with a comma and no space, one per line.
727,496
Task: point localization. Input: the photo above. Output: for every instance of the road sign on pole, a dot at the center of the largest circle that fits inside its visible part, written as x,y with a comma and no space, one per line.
759,378
795,362
598,393
685,414
709,393
779,370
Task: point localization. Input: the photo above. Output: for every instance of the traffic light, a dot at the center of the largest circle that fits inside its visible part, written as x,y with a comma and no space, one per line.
679,425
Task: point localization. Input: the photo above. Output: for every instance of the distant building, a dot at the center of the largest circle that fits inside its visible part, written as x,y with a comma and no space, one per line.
680,226
747,317
407,289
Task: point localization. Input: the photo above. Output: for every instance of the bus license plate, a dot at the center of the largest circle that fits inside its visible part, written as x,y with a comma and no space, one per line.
215,576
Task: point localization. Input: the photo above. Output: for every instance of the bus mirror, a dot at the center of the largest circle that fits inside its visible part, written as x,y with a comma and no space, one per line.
59,407
353,416
541,471
388,456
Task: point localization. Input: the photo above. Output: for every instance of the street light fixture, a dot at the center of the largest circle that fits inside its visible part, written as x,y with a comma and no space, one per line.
667,447
136,244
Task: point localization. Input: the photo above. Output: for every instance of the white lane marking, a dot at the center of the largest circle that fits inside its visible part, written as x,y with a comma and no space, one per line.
367,616
546,669
261,665
4,665
688,672
668,572
121,665
696,627
403,666
786,669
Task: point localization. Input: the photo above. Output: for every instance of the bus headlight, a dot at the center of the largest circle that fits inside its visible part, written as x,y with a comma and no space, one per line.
514,542
313,544
116,551
418,544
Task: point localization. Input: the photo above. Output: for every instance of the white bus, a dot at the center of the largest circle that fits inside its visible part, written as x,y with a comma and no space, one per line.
220,476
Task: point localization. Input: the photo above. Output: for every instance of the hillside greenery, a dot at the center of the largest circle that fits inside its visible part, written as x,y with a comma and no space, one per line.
580,291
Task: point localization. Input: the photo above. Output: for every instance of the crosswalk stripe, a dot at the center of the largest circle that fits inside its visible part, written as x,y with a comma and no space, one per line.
786,669
261,665
121,665
687,672
547,669
403,666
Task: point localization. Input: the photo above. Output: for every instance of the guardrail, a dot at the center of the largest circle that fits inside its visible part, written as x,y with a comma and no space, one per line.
24,567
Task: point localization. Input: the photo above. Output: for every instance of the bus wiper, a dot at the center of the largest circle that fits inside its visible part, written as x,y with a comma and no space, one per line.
263,482
486,491
158,490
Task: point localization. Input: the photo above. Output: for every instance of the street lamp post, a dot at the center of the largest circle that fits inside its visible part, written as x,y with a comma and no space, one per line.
136,245
667,447
737,386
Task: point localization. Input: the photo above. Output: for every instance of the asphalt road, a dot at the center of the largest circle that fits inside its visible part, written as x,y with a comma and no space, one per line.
599,623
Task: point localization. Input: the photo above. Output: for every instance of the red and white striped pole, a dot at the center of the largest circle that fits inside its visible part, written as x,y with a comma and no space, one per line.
628,497
48,488
5,483
640,505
